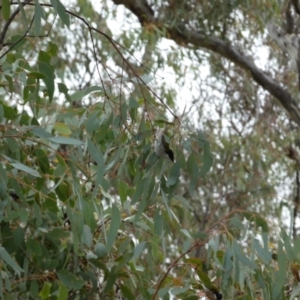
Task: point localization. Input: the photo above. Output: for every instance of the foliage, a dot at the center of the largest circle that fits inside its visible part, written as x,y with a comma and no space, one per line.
88,211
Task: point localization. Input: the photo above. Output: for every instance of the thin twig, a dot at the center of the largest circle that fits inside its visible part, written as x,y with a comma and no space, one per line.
11,18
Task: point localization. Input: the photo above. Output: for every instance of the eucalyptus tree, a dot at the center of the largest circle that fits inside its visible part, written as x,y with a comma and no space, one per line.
90,209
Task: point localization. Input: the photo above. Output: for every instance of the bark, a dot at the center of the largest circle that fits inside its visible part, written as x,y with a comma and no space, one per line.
184,37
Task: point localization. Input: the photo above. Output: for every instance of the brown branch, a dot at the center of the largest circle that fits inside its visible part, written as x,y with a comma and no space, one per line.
19,40
9,21
141,9
185,37
296,5
289,25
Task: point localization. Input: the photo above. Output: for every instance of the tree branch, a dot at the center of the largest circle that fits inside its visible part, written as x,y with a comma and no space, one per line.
186,37
9,21
296,5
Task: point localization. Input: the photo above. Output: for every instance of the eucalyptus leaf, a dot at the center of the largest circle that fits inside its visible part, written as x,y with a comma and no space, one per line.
114,227
65,140
10,261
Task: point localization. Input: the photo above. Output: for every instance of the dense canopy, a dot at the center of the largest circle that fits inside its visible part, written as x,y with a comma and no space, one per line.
91,207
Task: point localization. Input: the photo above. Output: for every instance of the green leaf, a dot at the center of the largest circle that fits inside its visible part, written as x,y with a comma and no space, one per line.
26,169
122,189
5,9
227,264
295,292
46,59
36,75
127,293
158,223
63,89
114,227
207,160
70,280
87,237
12,144
40,132
97,156
123,261
58,233
49,203
179,290
280,275
38,15
174,174
133,103
242,257
34,289
45,69
199,235
184,201
100,250
80,94
63,292
193,171
195,261
52,50
138,250
59,171
1,112
124,113
62,128
61,11
10,113
264,254
138,191
110,281
164,291
204,278
145,78
24,19
45,292
259,221
288,246
9,260
65,140
34,246
42,160
18,236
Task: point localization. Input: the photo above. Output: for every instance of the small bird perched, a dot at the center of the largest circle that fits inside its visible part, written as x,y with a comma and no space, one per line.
162,147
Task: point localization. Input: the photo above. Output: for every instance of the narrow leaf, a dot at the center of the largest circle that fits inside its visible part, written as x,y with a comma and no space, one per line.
138,250
174,174
61,11
5,9
62,129
9,260
80,94
114,227
65,140
38,15
207,160
142,79
70,280
24,19
26,169
204,278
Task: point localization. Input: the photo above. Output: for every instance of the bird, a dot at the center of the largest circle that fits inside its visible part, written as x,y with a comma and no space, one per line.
162,147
